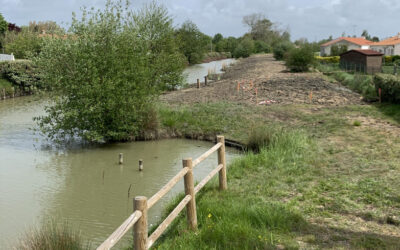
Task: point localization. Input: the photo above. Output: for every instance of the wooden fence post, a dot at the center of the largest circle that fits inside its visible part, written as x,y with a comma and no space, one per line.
189,190
221,160
205,80
140,229
198,83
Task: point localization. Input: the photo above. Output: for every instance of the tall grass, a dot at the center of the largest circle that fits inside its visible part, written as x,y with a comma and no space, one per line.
52,236
243,217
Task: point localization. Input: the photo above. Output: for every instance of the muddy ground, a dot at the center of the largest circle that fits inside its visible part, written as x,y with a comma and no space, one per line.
264,81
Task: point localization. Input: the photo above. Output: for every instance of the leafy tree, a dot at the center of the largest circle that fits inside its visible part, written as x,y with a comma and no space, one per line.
3,25
22,44
261,47
336,50
245,48
193,43
49,27
217,38
227,45
107,73
300,59
3,29
281,50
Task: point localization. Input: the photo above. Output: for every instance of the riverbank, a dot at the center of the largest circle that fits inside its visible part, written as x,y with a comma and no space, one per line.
327,176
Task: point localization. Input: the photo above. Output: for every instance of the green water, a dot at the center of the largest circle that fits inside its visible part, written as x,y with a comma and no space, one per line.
82,184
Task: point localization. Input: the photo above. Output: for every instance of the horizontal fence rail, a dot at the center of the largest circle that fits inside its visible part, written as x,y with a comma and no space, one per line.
138,219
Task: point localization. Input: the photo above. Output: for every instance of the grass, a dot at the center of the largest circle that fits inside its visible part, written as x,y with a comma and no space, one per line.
52,235
7,85
317,181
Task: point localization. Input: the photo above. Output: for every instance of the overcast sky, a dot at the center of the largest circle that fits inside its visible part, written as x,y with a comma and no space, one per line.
313,19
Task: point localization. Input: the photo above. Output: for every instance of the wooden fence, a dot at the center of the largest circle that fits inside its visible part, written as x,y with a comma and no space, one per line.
138,219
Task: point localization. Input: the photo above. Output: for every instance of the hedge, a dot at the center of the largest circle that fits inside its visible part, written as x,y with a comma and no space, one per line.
389,60
328,59
390,86
21,74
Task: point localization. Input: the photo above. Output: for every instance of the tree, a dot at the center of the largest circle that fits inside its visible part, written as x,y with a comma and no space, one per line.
245,48
217,38
193,43
22,44
281,50
336,50
300,59
106,74
3,29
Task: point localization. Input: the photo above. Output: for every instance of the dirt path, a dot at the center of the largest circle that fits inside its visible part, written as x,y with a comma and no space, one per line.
273,84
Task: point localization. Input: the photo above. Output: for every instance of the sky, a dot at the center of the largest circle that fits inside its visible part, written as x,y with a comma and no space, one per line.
311,19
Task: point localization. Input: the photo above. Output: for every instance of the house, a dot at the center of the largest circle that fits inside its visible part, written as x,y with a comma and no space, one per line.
389,47
362,60
350,42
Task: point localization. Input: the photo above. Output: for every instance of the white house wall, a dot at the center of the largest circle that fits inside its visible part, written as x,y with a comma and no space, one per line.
326,51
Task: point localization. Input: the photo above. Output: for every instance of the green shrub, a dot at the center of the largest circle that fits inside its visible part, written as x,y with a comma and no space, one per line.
300,59
261,47
244,49
22,74
281,49
328,59
105,79
389,60
359,83
390,87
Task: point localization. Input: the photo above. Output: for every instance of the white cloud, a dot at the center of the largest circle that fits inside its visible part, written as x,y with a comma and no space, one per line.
314,19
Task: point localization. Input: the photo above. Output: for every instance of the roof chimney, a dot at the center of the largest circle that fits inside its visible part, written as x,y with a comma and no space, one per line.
398,35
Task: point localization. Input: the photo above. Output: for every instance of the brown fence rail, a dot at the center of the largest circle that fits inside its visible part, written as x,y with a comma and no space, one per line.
138,219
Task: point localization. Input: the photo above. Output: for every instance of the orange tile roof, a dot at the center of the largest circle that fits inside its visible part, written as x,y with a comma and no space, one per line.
390,41
356,40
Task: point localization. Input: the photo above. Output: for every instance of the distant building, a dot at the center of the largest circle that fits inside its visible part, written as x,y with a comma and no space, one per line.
368,61
350,42
389,47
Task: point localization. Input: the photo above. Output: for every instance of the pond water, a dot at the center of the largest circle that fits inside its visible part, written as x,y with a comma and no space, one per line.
82,184
199,71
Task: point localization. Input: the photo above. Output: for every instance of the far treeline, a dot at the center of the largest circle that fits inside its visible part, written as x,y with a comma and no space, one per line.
263,36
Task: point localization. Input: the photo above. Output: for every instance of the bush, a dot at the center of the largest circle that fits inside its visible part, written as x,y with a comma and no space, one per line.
390,87
300,59
245,48
389,60
328,59
23,44
107,76
261,47
281,49
362,84
22,74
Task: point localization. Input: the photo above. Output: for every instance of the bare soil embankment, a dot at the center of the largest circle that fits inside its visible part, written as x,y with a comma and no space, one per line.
273,83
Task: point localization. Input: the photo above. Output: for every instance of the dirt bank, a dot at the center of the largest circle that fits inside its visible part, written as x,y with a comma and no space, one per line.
273,84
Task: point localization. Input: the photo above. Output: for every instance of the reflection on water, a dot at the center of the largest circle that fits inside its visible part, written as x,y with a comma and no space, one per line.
84,185
199,71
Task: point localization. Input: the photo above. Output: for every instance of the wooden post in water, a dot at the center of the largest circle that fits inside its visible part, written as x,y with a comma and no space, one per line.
140,165
205,80
121,158
140,228
198,83
221,160
189,190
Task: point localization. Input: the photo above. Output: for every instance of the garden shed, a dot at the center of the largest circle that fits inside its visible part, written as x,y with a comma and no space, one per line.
366,60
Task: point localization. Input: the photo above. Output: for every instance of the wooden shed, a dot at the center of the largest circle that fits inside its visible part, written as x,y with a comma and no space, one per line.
362,60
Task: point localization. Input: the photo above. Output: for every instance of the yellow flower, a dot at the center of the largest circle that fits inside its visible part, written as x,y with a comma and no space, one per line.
209,215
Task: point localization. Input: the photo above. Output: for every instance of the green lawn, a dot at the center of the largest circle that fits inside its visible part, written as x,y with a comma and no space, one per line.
325,177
